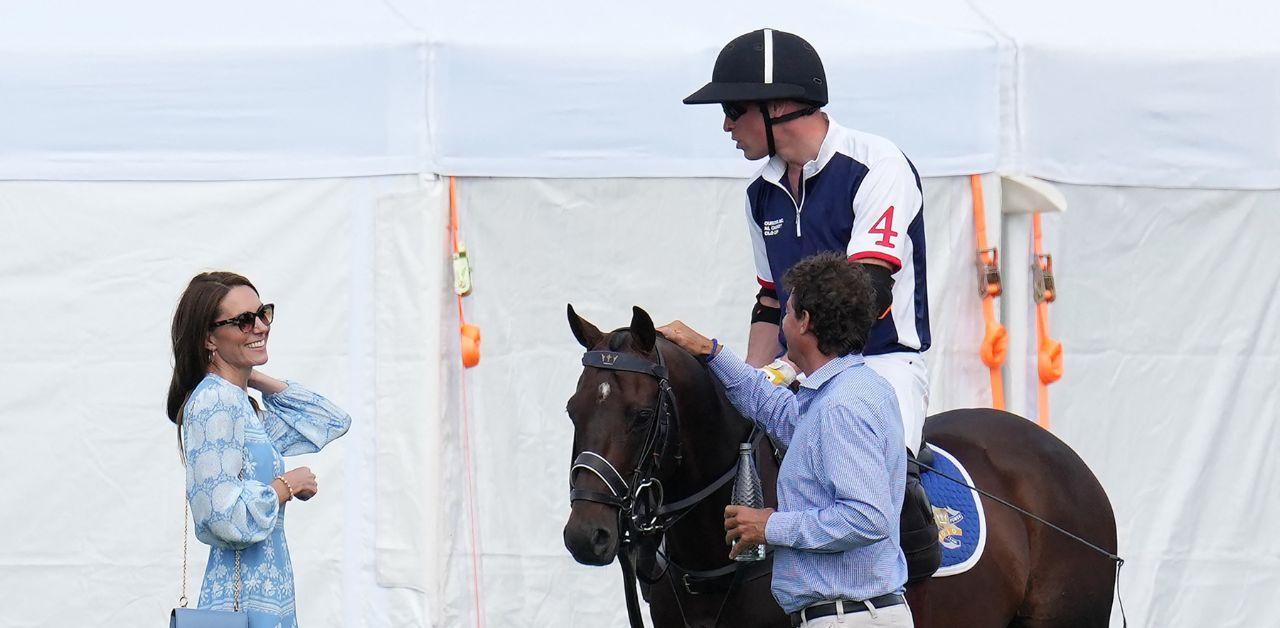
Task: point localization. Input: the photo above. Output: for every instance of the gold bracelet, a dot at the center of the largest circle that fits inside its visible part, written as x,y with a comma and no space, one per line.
286,485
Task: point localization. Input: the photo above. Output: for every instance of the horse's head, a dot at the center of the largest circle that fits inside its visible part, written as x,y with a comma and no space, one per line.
622,425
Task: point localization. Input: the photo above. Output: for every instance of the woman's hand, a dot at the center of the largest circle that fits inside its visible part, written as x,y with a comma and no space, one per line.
265,383
684,337
300,483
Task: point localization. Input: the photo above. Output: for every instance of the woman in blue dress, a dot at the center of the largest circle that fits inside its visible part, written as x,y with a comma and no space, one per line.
236,481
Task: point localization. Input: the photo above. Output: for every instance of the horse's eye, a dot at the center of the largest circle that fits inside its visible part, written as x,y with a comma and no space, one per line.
644,415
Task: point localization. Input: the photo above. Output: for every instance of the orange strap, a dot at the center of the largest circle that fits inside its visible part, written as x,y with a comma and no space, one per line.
995,340
1048,350
469,334
470,351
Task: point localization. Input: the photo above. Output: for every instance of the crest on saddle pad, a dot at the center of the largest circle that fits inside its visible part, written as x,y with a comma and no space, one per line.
949,530
962,525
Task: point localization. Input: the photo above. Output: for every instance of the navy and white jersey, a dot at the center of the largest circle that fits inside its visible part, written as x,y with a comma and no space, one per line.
861,196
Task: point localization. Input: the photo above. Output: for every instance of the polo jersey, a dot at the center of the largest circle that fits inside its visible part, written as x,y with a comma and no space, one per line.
862,197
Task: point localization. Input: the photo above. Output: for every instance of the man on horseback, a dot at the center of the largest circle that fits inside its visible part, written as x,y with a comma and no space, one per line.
837,555
828,188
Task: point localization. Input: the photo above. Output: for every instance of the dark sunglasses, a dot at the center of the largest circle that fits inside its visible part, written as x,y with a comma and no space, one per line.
245,321
733,110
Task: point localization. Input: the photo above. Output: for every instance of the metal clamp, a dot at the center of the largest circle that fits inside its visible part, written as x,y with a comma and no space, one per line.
989,283
461,272
688,586
1042,279
651,525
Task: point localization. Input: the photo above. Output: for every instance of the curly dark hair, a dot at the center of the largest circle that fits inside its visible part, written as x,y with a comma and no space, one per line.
839,298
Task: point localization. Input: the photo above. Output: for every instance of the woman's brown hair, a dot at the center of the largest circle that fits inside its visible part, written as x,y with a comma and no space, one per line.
197,311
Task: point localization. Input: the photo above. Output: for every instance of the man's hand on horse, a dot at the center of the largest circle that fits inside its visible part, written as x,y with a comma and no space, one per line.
686,338
745,525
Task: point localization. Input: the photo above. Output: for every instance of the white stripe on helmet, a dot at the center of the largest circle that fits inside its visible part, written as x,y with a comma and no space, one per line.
768,55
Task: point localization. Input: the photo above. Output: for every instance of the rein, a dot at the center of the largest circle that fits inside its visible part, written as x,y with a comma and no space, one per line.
641,502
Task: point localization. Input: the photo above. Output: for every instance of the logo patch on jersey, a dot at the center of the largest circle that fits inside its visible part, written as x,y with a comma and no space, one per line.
772,227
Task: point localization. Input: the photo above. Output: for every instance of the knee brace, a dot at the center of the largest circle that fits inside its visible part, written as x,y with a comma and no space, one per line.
918,533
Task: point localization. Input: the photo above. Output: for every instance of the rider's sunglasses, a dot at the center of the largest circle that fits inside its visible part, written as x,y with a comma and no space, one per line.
733,110
245,321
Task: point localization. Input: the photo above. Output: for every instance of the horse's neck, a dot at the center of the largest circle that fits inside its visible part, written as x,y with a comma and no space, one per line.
711,430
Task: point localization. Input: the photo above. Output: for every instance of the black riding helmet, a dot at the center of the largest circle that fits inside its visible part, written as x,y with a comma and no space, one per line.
766,65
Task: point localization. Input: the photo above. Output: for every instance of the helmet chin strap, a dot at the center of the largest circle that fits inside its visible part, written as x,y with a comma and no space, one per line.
768,126
786,117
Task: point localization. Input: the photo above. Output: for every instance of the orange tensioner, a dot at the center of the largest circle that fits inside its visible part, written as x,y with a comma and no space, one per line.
469,334
1048,350
995,340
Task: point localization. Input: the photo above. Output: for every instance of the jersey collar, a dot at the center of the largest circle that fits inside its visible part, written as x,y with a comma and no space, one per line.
776,167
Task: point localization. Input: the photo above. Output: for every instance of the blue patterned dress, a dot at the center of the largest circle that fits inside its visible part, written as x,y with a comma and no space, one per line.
233,454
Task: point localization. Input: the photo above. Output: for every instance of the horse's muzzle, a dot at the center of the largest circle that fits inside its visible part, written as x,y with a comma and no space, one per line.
592,540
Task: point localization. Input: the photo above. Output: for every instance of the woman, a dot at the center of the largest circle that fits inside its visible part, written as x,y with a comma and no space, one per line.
237,485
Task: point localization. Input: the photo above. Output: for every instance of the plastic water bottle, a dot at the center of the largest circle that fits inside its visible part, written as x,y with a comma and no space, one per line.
748,492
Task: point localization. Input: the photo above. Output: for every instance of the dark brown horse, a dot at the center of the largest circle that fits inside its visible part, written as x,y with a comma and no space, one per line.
1029,576
616,415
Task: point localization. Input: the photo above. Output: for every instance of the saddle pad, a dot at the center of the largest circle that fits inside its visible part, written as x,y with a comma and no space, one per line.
962,525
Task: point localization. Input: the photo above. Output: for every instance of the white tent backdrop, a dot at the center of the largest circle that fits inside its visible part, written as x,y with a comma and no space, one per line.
1139,93
607,84
296,143
1146,93
149,90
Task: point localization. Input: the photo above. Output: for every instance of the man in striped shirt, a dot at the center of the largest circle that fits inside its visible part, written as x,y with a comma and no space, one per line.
837,556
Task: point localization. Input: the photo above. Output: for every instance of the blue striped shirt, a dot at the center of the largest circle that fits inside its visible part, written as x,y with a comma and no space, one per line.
840,487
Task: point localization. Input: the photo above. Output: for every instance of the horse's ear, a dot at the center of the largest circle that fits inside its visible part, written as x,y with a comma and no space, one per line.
642,329
588,335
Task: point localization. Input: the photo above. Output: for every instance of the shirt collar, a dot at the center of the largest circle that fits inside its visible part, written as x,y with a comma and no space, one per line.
829,370
776,167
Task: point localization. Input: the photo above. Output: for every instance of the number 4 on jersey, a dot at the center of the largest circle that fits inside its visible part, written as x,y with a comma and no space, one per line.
884,227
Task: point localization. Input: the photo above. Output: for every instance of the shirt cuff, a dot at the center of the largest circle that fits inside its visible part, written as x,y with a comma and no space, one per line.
781,529
729,368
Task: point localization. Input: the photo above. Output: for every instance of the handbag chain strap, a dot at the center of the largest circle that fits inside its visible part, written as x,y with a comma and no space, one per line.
182,600
186,512
186,517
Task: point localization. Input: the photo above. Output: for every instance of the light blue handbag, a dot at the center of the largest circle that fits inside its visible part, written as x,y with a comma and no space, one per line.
183,617
204,618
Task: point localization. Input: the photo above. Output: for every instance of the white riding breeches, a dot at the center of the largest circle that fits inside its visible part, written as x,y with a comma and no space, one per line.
907,373
891,617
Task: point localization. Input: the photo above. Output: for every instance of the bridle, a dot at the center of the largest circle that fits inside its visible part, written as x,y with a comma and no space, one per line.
640,500
642,509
